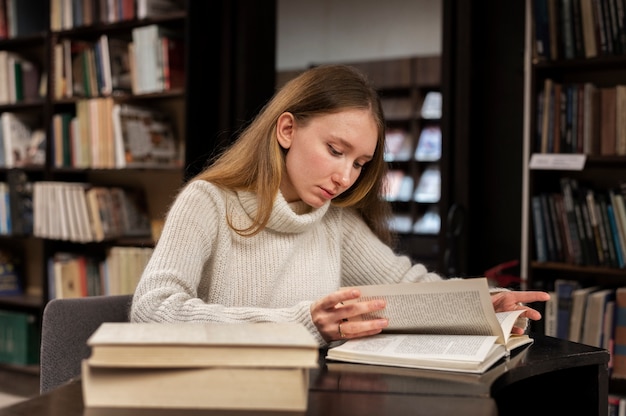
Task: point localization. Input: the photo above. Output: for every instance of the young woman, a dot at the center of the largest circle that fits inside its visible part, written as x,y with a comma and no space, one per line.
292,212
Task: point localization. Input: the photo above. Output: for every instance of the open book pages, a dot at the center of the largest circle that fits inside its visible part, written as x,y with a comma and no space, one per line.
446,325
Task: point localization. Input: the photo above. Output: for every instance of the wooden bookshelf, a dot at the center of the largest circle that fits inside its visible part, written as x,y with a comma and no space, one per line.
205,29
558,145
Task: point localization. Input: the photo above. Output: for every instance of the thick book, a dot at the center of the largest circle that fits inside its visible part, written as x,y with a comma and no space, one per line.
448,325
244,366
217,388
145,345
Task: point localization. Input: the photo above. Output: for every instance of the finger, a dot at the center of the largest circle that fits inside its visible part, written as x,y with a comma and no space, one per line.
531,296
336,298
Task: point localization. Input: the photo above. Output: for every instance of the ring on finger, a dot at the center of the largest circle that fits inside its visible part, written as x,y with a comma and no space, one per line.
341,334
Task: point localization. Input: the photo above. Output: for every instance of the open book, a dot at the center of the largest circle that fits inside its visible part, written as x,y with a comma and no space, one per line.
448,325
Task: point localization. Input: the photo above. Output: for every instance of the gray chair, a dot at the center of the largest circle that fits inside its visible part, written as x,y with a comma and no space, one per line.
65,327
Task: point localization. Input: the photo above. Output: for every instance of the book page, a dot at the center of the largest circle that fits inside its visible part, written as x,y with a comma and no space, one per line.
461,353
451,307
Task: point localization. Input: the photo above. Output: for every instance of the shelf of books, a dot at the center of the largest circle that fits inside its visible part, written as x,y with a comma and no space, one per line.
91,152
575,238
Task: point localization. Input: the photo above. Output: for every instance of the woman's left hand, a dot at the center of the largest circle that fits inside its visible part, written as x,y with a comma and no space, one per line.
515,300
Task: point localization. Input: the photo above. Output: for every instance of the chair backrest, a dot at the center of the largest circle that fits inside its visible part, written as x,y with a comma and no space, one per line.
65,327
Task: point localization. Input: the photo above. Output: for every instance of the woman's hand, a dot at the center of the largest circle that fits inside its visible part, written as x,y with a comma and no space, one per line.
336,320
515,300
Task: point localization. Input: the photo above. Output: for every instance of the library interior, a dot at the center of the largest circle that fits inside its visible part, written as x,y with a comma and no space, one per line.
505,137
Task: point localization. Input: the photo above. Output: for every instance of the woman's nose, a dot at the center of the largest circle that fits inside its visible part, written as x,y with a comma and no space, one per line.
342,176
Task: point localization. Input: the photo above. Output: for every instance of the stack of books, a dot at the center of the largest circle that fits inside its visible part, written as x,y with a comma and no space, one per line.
220,367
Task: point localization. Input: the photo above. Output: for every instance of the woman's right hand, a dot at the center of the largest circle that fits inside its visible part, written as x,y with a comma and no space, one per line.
336,320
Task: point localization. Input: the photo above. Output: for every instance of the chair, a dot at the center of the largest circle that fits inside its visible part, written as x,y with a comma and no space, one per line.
66,325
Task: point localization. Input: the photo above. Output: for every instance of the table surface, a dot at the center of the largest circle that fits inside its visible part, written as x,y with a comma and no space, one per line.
356,389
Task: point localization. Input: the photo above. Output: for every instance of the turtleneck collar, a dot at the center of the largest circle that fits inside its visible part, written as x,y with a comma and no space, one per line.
295,217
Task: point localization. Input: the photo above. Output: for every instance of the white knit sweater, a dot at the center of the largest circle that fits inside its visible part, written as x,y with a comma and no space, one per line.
201,270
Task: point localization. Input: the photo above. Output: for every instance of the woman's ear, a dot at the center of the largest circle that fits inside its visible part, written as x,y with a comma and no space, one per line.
285,130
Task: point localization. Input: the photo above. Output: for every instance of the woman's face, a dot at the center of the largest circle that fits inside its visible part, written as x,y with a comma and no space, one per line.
325,156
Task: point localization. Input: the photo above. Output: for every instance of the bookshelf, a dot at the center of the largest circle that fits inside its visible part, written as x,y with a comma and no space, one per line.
571,143
68,81
197,133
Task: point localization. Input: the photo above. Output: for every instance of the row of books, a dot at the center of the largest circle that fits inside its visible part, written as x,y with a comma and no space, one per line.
74,275
399,185
82,212
69,14
399,145
581,225
617,404
17,19
150,60
107,135
20,79
578,28
592,315
581,118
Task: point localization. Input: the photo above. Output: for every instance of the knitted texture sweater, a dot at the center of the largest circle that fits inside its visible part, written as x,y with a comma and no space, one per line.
202,270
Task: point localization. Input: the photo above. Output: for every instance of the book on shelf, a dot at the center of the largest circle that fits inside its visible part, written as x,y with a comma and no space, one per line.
550,315
19,131
428,188
22,21
144,137
429,222
618,370
595,316
398,144
124,266
539,230
429,144
20,202
579,303
244,366
431,107
447,325
158,57
11,278
564,289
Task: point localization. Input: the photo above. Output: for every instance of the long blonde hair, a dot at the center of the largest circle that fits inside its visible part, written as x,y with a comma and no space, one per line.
255,161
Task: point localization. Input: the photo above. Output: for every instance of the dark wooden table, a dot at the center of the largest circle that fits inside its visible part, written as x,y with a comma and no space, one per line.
550,377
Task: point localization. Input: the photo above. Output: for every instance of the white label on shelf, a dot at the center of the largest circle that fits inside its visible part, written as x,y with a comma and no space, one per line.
558,161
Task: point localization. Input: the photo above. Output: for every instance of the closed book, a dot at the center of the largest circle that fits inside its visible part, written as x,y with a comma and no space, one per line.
218,388
145,345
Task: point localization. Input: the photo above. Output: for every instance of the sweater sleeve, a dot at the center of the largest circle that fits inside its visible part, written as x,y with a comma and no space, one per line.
366,260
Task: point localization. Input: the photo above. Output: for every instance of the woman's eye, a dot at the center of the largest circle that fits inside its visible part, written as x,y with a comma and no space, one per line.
358,165
333,151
